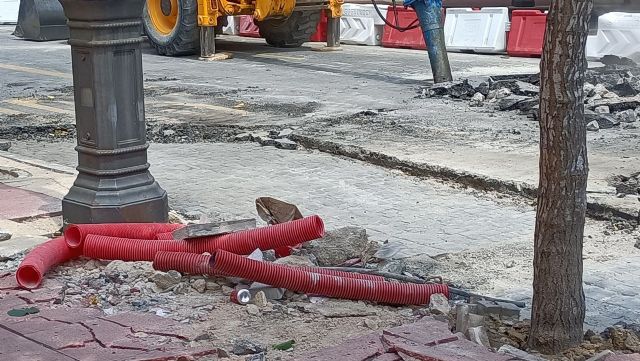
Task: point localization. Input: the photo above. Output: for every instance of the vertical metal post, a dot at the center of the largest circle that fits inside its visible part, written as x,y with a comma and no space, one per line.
114,183
333,31
207,42
429,14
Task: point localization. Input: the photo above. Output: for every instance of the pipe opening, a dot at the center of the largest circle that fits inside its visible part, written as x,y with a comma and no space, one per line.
28,277
73,236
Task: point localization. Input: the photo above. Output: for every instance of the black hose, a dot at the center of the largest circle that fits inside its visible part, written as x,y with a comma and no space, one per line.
411,26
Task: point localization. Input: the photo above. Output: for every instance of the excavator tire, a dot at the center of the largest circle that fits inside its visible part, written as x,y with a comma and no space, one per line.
292,31
172,26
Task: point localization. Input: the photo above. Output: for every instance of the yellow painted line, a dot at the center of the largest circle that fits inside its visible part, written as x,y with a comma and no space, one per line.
208,107
26,69
33,105
7,111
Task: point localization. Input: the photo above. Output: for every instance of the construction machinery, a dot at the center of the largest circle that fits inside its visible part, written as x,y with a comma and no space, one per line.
182,27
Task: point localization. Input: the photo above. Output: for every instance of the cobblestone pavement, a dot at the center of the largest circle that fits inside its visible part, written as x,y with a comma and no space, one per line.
487,240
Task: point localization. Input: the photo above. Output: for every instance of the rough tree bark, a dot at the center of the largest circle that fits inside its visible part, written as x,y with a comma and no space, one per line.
558,298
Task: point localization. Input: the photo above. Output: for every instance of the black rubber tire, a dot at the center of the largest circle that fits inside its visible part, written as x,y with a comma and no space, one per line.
291,32
184,39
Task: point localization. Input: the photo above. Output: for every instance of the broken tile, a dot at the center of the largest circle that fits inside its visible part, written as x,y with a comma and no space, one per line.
358,349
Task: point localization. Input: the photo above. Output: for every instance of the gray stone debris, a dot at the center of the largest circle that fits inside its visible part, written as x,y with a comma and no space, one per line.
396,267
4,235
285,133
128,271
212,286
4,145
242,137
465,317
269,255
511,102
166,280
603,109
296,261
439,304
264,140
601,356
260,299
479,335
519,354
286,144
245,346
199,285
253,310
589,89
477,100
257,357
627,116
342,244
593,126
499,310
500,93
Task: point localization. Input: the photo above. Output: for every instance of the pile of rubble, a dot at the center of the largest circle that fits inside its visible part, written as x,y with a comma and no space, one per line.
612,95
273,138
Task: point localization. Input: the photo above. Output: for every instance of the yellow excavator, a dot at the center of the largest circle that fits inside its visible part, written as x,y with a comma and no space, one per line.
182,27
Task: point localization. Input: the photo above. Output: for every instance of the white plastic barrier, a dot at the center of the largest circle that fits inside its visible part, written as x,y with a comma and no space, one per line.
233,27
9,11
618,34
481,31
361,24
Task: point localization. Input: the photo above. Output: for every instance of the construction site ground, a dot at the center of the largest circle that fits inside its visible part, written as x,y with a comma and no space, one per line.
448,182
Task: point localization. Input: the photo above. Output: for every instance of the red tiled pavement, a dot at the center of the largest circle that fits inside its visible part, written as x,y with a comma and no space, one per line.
17,348
358,349
426,332
389,356
461,350
25,203
631,357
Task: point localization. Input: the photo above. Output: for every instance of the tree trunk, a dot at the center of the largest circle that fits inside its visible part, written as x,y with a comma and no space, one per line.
558,298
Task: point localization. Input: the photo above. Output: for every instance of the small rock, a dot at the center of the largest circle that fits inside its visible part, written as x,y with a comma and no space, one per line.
510,264
4,235
166,280
593,126
589,89
4,145
257,357
265,141
253,309
371,324
603,109
286,144
295,261
246,347
260,299
511,102
502,93
242,137
269,255
285,133
479,335
181,288
342,244
439,304
624,89
168,132
212,286
199,285
477,100
627,116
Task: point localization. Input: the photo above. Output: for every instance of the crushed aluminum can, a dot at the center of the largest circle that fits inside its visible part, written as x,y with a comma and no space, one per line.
241,297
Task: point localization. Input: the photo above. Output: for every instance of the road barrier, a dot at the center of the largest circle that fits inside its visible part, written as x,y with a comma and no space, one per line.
361,24
618,34
477,30
248,27
526,36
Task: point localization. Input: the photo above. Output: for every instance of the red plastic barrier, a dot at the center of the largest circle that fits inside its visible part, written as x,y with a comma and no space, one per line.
248,27
41,259
325,285
526,37
243,242
321,30
76,233
411,39
199,264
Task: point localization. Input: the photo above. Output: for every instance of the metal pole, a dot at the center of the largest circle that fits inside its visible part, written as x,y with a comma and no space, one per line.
114,183
429,14
207,42
333,31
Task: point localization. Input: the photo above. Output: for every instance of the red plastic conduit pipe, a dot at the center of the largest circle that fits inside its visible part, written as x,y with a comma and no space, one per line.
243,242
199,264
76,233
41,259
324,285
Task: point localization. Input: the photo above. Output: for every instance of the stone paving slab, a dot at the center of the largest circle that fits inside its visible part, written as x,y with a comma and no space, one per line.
26,204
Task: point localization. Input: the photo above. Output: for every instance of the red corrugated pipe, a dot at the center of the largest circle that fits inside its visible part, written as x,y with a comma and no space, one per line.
41,259
243,242
75,234
199,264
324,285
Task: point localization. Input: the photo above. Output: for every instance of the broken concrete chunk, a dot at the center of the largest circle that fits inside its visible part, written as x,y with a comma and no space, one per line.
199,285
601,356
479,335
285,133
246,347
4,145
286,144
589,89
517,87
253,310
618,104
242,137
500,93
458,90
166,280
627,116
4,235
295,261
593,126
396,267
499,310
521,355
342,244
439,304
477,100
511,102
260,299
603,109
265,141
465,318
624,89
